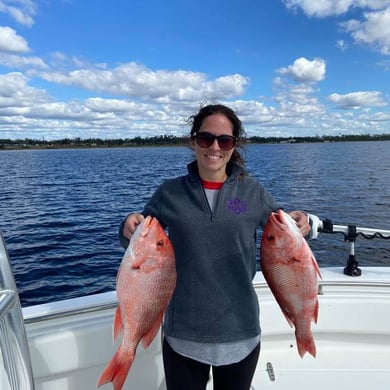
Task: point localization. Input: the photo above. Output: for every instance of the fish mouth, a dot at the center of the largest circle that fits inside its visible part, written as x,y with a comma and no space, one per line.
278,219
148,221
285,222
147,225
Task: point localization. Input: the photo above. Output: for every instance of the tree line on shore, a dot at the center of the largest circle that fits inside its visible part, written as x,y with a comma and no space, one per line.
170,140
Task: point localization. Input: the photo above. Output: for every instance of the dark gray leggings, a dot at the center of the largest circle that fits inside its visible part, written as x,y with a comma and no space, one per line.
182,373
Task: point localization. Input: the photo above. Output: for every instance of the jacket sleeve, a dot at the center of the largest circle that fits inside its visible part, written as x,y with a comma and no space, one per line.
152,208
269,205
155,205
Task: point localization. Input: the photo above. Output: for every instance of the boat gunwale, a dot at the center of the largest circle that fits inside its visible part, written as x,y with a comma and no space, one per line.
337,283
108,300
70,312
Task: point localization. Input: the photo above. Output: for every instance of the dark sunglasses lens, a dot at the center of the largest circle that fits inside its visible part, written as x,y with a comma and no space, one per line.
226,142
204,139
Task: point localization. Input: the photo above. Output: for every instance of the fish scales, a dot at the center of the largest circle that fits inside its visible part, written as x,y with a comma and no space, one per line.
145,283
291,271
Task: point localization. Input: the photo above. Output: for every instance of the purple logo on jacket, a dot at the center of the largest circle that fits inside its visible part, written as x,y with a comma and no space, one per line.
237,206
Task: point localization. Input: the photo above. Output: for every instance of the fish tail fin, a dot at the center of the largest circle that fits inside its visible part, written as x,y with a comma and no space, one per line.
306,344
116,370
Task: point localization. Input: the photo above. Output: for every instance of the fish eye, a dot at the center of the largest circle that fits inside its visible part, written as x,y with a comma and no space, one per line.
270,238
160,243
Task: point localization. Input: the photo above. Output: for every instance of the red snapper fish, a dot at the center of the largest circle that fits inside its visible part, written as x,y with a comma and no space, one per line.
145,283
292,272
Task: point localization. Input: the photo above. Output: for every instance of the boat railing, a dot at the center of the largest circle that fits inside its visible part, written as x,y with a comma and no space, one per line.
71,307
351,232
15,364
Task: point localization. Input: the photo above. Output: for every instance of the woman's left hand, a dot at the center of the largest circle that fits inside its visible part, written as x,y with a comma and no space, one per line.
302,221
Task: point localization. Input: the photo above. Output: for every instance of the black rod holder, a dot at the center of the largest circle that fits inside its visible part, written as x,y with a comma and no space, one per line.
352,268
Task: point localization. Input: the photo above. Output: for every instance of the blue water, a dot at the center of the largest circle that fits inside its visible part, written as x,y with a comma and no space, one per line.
60,209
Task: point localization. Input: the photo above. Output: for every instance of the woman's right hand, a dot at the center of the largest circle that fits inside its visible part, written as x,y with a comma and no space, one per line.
132,221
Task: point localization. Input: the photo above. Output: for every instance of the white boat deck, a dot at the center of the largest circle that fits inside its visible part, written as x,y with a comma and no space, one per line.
352,338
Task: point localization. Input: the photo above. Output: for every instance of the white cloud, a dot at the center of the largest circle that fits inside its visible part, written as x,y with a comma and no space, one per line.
342,45
21,62
254,112
297,101
296,109
112,105
379,117
305,70
14,88
372,28
132,111
30,112
325,8
22,11
144,101
355,100
11,42
138,81
374,31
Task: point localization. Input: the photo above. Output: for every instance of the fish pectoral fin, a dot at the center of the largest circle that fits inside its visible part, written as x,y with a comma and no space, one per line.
118,326
136,264
151,334
145,265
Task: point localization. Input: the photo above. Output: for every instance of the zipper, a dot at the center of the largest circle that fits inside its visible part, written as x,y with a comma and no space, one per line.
206,202
217,202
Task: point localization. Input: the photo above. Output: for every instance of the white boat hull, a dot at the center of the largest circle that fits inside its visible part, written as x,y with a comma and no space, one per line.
71,341
70,352
352,337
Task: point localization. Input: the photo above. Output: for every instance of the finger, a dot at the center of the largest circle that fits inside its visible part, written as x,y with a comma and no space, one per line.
131,224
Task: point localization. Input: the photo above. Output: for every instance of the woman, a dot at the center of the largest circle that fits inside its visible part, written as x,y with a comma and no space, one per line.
212,214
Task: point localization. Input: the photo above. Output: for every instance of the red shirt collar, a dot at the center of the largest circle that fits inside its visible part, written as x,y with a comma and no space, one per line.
212,185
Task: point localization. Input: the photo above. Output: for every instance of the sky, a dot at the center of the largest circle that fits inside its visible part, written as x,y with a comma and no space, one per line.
122,69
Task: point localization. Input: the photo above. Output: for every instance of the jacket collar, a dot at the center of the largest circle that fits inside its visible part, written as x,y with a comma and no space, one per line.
233,170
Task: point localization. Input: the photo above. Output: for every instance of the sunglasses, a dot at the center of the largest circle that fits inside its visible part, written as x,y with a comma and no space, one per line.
205,140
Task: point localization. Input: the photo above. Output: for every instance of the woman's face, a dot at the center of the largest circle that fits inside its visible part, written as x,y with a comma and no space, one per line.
212,160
